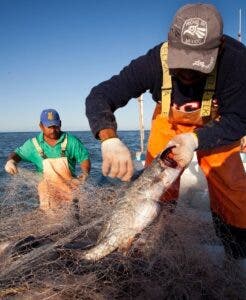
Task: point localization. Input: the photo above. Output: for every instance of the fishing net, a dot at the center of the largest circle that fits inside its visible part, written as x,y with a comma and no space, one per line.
177,257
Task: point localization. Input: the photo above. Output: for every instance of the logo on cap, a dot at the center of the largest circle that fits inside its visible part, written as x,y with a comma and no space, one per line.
50,116
194,32
203,65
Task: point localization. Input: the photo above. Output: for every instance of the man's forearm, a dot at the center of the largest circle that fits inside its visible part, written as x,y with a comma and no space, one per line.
15,157
85,166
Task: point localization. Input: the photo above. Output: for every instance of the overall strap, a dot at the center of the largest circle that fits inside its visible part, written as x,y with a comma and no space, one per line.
208,93
166,88
41,152
38,148
63,146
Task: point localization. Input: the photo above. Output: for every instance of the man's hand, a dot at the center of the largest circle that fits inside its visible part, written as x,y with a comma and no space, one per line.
117,160
82,177
243,144
186,144
11,167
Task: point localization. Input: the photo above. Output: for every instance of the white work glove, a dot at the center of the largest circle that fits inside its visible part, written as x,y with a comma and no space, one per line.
11,167
117,160
186,144
243,144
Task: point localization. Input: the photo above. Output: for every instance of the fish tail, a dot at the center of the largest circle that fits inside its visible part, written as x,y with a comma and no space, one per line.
101,250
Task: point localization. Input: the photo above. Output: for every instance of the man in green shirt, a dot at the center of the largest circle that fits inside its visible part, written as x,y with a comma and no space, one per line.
54,154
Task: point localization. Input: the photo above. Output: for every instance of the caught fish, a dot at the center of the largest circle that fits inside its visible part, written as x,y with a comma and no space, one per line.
137,209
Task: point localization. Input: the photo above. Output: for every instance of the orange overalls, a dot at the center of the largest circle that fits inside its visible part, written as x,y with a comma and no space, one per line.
222,165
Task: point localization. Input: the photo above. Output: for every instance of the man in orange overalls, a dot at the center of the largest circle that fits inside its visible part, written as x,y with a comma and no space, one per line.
197,81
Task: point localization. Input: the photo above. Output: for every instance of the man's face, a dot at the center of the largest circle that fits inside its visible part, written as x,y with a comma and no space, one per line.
51,132
187,76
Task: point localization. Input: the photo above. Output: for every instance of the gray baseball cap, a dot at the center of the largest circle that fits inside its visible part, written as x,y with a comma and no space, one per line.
194,38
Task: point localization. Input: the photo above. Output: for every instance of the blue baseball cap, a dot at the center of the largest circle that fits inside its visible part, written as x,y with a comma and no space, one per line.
50,117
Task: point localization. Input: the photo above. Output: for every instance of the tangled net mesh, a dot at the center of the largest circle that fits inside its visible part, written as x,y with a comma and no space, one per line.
170,260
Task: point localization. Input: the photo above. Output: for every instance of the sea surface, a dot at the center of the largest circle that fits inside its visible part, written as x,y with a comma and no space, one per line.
181,256
10,140
192,180
20,185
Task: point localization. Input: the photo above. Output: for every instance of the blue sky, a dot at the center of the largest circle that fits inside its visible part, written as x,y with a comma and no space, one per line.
52,52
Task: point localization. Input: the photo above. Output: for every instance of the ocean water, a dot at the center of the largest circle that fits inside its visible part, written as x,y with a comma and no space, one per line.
9,141
181,257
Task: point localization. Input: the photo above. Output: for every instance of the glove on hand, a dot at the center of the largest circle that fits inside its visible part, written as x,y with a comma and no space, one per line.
117,160
243,144
186,144
10,167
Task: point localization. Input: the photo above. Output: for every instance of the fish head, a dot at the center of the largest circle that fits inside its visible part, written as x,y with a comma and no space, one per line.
166,158
157,177
168,168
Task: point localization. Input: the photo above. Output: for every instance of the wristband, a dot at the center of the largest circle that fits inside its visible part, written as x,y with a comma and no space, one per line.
108,138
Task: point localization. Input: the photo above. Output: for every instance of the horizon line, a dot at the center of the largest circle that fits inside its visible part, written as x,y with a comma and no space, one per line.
35,131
